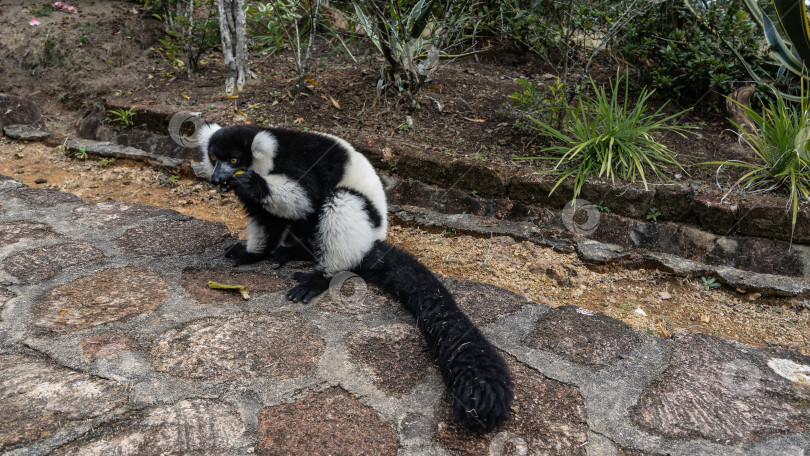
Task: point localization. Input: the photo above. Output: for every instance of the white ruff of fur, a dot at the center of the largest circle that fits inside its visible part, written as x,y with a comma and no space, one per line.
257,241
203,137
263,148
344,233
287,198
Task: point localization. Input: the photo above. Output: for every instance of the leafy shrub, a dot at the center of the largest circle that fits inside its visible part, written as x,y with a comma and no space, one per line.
554,30
532,101
267,24
608,135
780,142
192,28
678,56
412,37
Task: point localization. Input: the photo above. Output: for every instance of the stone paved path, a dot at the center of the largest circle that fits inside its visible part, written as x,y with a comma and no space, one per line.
111,343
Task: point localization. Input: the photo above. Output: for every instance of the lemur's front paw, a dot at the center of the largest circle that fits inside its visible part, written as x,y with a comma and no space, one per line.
248,186
309,285
239,254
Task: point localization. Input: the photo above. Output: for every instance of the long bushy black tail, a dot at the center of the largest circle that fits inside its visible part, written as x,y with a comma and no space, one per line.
475,374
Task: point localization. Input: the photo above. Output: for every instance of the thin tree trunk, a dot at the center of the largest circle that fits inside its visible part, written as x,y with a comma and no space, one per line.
234,47
303,66
191,68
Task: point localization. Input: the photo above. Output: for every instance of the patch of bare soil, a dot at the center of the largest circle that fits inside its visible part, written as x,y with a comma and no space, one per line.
647,300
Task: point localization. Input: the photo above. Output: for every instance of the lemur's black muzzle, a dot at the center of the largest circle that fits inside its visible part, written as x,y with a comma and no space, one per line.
222,175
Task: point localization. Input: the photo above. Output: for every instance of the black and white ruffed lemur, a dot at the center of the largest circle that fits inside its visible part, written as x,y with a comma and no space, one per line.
317,190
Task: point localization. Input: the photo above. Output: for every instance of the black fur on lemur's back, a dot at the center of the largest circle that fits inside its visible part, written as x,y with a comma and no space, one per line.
312,196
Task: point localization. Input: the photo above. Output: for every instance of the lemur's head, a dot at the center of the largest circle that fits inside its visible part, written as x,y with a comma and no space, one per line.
230,150
229,153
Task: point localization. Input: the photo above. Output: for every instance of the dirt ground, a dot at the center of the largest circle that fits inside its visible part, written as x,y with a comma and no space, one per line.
647,300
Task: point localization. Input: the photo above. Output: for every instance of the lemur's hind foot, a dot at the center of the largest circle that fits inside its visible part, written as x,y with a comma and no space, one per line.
310,284
284,254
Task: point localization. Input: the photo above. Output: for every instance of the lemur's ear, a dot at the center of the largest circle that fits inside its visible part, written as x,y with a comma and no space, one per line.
263,148
203,137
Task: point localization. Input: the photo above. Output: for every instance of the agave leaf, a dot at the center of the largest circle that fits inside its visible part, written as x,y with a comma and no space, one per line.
367,28
418,19
793,19
779,50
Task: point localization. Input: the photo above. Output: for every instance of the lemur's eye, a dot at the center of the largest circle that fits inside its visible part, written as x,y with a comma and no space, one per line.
213,158
234,161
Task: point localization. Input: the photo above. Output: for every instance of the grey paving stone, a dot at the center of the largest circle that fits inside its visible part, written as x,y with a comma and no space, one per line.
582,336
326,423
100,298
40,264
39,398
728,392
6,295
392,348
484,303
247,346
109,214
13,232
174,237
105,345
348,294
193,427
44,197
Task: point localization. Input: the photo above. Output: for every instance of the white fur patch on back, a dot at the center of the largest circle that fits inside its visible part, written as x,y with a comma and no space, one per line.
257,238
287,198
361,177
344,233
203,138
263,148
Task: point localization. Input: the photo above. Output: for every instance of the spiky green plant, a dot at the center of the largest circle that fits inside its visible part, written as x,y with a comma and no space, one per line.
609,135
780,142
121,116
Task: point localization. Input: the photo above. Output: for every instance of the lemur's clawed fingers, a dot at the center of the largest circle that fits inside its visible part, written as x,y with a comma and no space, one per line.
248,186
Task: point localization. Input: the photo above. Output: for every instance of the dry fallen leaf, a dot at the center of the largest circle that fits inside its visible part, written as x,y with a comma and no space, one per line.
222,286
472,120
